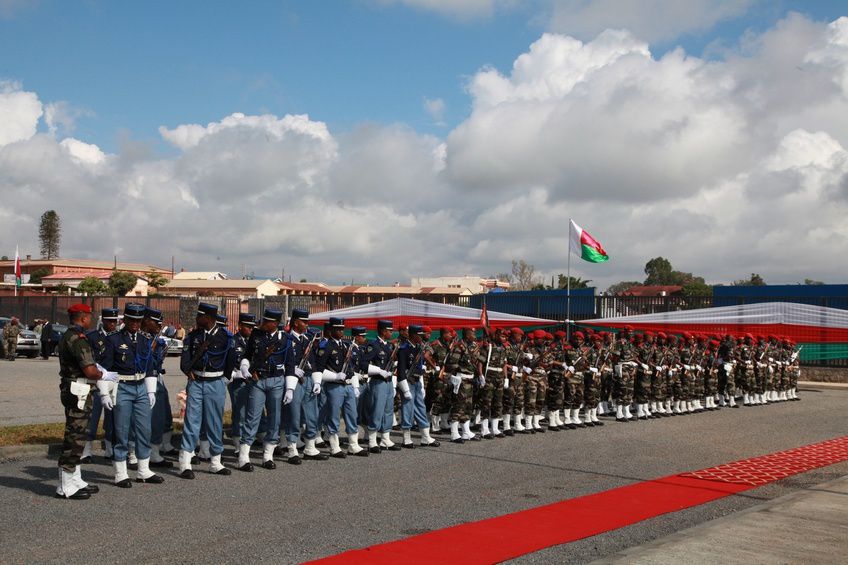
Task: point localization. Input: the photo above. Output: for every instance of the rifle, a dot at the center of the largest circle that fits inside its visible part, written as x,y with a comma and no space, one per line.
795,354
348,356
447,355
198,354
415,362
308,350
264,356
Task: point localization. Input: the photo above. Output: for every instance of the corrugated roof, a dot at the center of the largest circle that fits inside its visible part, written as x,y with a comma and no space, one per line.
225,284
90,263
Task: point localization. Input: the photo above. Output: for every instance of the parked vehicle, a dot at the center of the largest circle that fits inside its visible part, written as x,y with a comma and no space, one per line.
28,344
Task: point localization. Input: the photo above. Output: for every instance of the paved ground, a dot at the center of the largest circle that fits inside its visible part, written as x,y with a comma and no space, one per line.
29,390
297,513
810,526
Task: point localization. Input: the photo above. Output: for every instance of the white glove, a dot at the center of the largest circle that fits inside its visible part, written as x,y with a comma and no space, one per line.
299,372
644,366
593,369
437,368
316,382
423,393
151,396
404,388
528,370
506,383
106,401
341,377
244,368
287,397
481,380
385,374
316,388
528,356
658,368
514,368
570,368
103,387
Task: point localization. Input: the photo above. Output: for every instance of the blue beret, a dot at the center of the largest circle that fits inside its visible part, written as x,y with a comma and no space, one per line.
247,319
337,322
134,311
300,314
206,309
415,329
221,319
384,325
357,330
153,314
272,314
109,313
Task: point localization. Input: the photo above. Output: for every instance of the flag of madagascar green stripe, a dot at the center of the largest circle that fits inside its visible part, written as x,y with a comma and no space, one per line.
586,246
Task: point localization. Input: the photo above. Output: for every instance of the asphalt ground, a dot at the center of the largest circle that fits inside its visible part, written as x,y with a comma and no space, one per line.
293,514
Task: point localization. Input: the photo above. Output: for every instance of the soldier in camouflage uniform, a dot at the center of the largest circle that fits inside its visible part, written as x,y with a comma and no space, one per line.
592,381
493,359
698,372
513,401
537,382
688,356
745,357
606,403
624,359
10,337
577,363
462,367
672,365
556,382
794,369
645,351
726,382
77,371
710,365
659,377
438,393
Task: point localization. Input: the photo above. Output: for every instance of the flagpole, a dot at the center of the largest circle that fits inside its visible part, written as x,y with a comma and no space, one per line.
568,288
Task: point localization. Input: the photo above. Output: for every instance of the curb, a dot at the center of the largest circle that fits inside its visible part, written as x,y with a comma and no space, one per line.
18,452
817,384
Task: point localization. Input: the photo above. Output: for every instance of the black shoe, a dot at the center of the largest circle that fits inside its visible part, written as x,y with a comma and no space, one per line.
488,436
394,447
90,489
475,427
475,437
269,464
458,440
339,455
247,467
375,450
500,435
152,480
553,428
434,443
408,446
735,406
126,483
295,460
170,453
598,423
621,419
79,495
319,457
161,464
589,424
530,430
187,474
363,453
86,460
194,460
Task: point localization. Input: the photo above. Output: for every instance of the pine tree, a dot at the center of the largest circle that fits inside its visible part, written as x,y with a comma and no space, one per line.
50,234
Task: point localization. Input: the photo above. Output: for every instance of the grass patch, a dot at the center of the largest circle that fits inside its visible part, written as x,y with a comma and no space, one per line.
33,434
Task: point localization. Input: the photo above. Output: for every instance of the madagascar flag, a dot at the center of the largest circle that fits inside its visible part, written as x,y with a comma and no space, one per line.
585,246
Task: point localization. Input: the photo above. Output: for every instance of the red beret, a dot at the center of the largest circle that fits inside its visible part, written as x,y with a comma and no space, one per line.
628,328
468,328
576,335
637,337
548,336
518,331
428,329
596,337
590,331
748,336
78,308
539,334
714,343
702,338
662,335
649,334
561,333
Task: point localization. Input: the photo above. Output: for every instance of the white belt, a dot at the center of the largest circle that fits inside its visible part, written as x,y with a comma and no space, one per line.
131,378
495,370
208,374
465,377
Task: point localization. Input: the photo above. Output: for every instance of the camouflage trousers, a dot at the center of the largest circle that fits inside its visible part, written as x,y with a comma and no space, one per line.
794,374
606,386
642,387
760,376
710,382
622,385
745,378
573,391
11,347
76,426
534,394
591,389
680,385
556,391
659,390
726,384
462,402
513,400
437,400
490,397
781,377
697,390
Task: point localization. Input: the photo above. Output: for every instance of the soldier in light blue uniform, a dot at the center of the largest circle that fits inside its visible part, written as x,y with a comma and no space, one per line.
207,360
377,362
161,417
203,449
239,386
264,363
300,401
128,353
336,362
410,382
97,339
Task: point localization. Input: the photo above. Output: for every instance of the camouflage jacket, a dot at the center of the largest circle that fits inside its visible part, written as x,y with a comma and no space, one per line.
74,354
463,359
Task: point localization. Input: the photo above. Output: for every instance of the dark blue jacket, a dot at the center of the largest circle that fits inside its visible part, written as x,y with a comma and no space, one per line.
127,356
216,357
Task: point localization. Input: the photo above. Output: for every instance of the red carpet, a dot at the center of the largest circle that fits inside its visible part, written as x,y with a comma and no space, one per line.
505,537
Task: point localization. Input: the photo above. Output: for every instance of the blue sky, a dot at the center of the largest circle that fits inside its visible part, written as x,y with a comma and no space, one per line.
135,66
